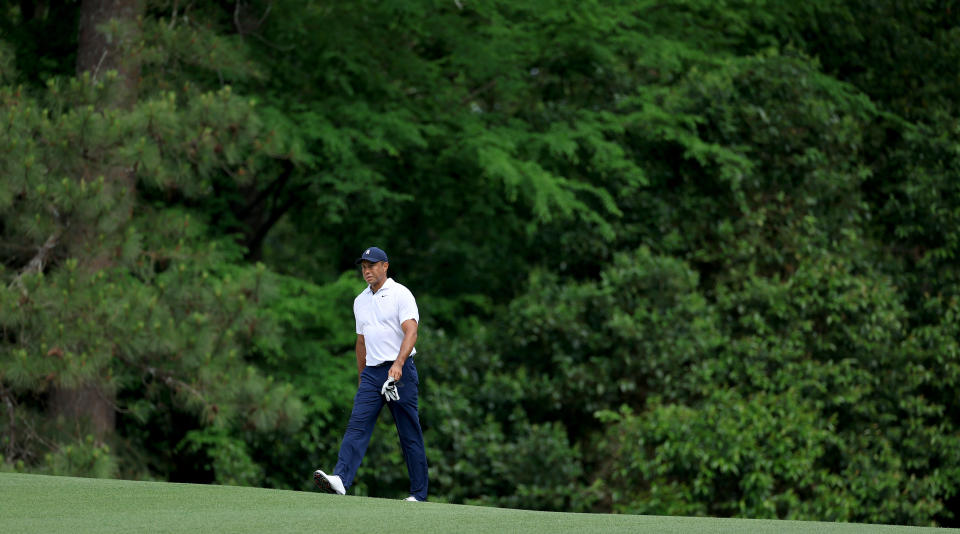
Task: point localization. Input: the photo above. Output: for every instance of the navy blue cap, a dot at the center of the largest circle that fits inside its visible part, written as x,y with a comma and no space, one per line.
373,254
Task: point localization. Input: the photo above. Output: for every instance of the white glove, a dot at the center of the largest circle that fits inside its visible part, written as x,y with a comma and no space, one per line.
389,390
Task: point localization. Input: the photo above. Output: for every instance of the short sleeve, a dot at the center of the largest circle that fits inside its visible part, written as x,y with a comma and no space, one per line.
407,307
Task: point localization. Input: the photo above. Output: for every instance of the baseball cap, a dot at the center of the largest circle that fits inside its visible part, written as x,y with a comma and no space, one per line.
373,254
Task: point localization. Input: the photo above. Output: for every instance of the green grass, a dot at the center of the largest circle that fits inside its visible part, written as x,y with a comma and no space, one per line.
36,503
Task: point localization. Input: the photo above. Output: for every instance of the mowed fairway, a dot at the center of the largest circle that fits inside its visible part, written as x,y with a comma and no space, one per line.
35,503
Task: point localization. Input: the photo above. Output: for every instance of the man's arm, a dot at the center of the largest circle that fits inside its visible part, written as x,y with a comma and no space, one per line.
361,349
406,347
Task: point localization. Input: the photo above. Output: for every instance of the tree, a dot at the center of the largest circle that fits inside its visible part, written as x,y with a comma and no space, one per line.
116,56
112,304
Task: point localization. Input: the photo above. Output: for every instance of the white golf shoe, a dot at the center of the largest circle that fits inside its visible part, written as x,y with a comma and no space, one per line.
412,499
328,483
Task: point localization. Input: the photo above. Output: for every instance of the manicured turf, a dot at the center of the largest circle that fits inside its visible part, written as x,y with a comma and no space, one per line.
34,503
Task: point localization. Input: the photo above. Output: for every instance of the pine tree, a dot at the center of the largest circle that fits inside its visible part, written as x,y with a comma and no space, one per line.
101,54
118,312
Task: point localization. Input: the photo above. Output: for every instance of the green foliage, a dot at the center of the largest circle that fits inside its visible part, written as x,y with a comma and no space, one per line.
679,257
813,409
757,457
501,458
638,329
82,458
163,314
227,457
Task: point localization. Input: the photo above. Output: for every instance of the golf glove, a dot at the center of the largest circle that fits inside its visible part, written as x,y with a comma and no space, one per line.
389,390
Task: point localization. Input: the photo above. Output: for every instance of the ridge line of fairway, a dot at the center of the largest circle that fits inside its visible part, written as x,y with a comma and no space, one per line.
42,503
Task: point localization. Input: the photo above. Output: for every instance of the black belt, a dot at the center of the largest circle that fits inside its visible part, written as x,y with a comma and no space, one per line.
384,364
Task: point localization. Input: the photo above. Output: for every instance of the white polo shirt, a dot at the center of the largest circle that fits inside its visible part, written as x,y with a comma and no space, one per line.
379,316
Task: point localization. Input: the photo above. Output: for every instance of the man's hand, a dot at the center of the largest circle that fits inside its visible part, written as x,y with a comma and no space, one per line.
396,371
389,390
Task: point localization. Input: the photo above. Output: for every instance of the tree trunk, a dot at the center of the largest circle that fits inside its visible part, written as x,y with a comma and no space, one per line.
91,406
97,54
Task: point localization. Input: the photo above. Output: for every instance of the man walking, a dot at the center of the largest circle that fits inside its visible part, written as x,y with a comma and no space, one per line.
387,318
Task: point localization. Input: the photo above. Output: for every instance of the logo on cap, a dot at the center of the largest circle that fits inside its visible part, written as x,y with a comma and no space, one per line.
367,252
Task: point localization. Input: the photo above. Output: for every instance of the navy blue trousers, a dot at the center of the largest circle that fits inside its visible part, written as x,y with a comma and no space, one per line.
366,408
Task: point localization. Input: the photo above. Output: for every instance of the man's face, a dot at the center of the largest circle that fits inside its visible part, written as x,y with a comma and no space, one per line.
374,273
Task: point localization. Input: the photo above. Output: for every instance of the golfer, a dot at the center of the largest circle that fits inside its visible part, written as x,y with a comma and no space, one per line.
387,318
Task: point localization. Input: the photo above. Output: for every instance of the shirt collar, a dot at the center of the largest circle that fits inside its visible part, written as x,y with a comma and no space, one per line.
386,285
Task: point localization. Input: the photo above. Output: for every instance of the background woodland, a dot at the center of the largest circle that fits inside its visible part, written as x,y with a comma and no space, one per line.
677,257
